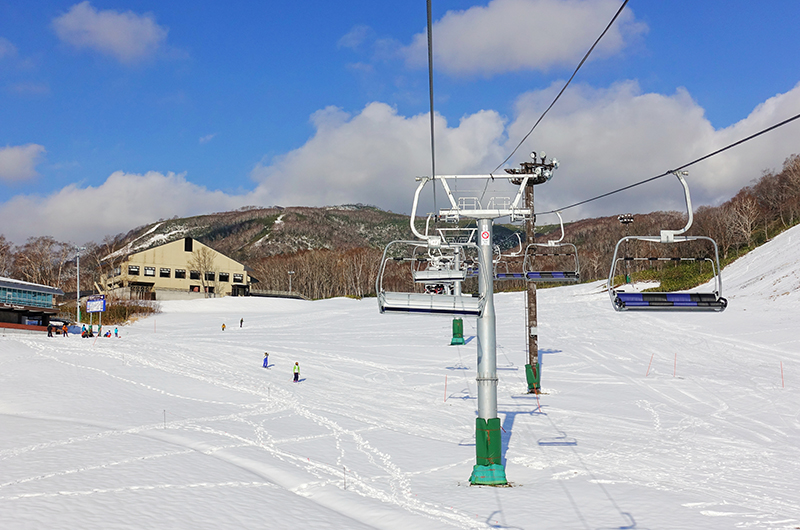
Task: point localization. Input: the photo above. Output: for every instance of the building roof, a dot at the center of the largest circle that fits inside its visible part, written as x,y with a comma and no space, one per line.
11,283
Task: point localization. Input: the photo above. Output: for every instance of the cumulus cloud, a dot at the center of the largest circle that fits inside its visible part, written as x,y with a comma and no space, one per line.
605,138
514,35
207,138
610,138
124,201
128,37
373,157
19,162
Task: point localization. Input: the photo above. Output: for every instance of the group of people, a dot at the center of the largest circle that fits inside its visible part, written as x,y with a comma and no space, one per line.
295,368
52,328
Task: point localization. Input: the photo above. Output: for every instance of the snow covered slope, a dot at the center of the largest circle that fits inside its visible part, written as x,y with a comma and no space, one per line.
647,421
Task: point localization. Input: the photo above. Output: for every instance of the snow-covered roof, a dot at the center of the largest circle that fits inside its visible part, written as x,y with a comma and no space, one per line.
11,283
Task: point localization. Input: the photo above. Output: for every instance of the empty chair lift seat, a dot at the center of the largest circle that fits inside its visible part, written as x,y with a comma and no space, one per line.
669,301
442,304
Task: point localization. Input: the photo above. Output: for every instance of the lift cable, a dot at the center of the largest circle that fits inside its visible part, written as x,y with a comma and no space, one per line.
565,86
430,90
672,171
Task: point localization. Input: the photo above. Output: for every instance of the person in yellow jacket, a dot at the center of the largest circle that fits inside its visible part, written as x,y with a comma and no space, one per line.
296,371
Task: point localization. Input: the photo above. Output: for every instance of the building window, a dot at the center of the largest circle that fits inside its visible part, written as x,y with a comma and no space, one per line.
164,273
238,278
149,271
187,244
180,274
194,288
210,276
224,277
194,275
133,270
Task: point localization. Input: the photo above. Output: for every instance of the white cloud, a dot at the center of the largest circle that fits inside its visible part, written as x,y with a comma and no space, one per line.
128,37
610,138
124,201
514,35
7,49
606,138
207,138
355,37
19,162
373,157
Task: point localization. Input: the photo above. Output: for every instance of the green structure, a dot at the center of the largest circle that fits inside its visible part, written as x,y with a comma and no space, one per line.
458,333
488,470
533,374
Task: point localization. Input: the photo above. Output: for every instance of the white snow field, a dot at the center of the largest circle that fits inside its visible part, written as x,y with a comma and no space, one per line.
177,425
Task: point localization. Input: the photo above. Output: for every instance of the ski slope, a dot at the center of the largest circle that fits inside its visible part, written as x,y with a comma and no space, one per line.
647,420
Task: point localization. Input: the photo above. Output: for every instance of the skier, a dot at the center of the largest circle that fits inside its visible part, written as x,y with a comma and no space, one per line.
241,321
49,330
296,371
116,332
266,359
64,330
223,327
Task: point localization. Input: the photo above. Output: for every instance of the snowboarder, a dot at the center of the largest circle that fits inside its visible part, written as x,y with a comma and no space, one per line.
296,371
241,321
266,359
223,327
116,332
64,330
49,330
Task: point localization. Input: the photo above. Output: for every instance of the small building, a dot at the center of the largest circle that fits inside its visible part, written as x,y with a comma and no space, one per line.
181,270
26,305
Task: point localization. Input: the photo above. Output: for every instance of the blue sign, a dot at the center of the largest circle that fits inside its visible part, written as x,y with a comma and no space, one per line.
96,304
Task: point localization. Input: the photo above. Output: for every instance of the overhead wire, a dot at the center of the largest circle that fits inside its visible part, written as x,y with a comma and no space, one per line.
430,91
673,171
585,57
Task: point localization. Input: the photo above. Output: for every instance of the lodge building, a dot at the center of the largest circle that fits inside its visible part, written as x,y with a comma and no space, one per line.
26,305
171,272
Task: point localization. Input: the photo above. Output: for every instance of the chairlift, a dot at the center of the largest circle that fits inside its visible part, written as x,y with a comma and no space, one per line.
631,300
435,268
509,266
555,251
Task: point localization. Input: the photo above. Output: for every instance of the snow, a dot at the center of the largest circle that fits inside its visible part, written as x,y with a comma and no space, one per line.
650,420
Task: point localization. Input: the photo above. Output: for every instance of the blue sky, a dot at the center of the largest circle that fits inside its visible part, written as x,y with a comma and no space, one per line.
114,114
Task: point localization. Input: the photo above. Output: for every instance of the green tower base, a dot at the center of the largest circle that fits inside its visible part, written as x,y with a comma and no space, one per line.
494,475
533,373
488,471
458,333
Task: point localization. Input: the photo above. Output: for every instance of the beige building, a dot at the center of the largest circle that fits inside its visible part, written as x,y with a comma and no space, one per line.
180,270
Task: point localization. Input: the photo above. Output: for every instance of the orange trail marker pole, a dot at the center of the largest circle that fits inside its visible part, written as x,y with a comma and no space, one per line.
648,366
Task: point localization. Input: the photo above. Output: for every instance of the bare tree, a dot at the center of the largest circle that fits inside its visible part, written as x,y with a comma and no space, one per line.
42,260
6,256
202,260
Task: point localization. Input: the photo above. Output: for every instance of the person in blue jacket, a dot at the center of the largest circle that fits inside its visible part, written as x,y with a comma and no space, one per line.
266,359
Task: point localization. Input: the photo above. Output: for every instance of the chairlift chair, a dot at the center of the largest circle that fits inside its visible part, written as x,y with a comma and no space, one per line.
555,248
668,301
509,266
433,263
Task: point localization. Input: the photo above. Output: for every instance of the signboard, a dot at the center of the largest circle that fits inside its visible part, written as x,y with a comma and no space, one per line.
485,238
96,304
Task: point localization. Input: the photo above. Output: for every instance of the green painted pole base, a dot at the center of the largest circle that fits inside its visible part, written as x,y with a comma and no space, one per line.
533,373
488,448
494,475
458,333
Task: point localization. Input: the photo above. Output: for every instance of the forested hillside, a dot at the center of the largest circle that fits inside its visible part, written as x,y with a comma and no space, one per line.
336,251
